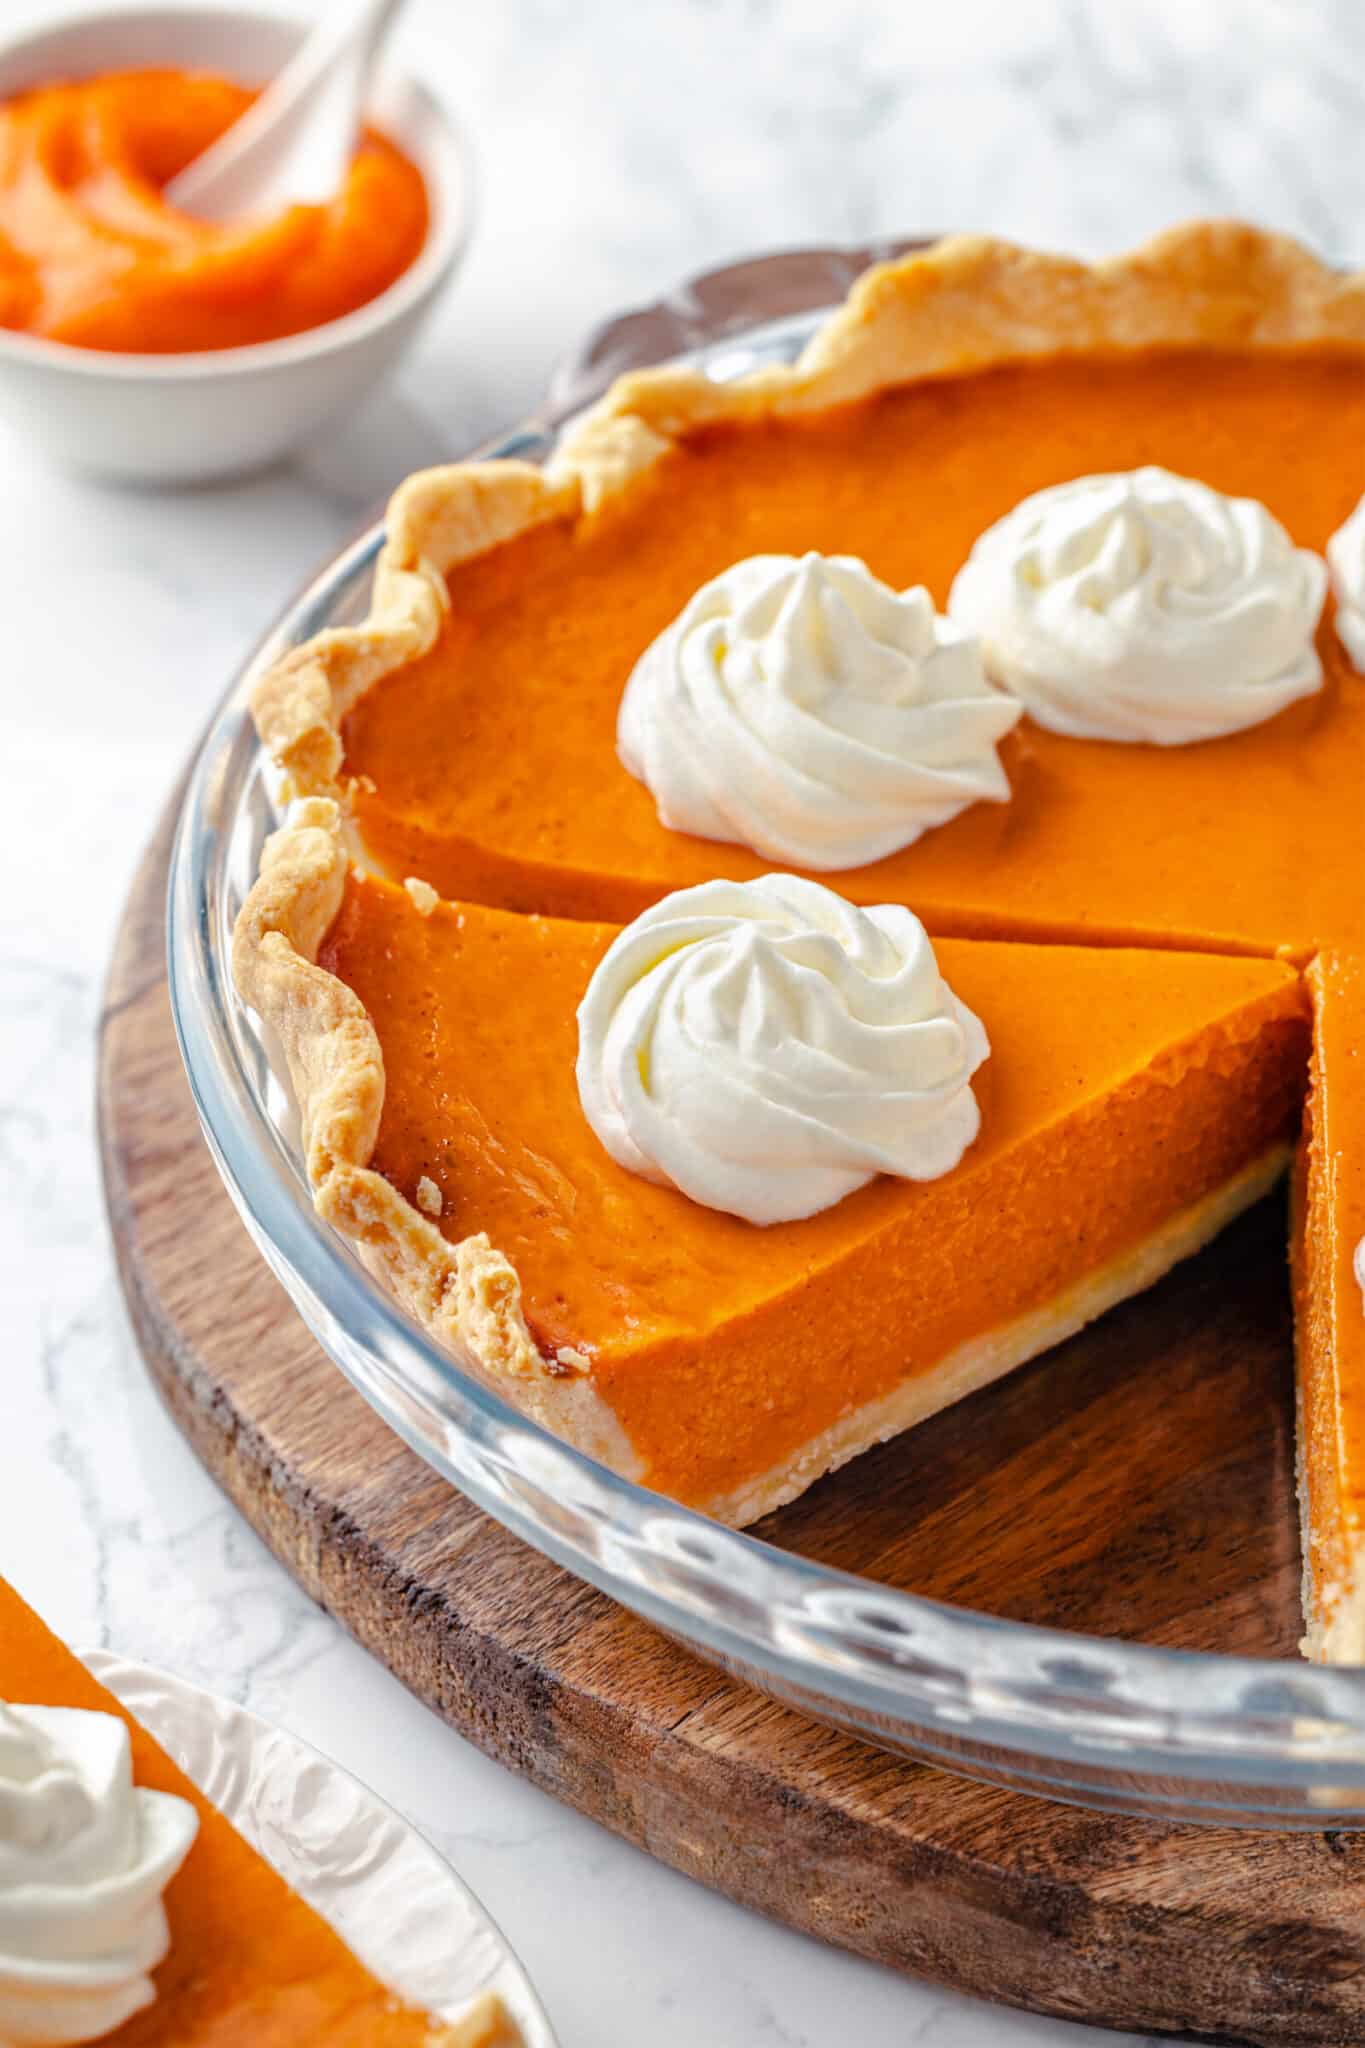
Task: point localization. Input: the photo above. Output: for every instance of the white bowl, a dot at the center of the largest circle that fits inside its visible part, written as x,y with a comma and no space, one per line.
217,413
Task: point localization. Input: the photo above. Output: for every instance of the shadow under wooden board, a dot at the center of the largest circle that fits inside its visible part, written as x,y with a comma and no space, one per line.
1139,1481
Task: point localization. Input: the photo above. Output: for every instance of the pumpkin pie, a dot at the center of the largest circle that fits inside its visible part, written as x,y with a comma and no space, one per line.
467,731
1329,1313
1133,1102
249,1961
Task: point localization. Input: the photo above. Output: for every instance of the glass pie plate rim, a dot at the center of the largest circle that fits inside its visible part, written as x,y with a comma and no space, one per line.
1101,1722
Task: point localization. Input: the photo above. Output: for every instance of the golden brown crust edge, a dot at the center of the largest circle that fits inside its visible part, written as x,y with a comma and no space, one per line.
467,1294
966,303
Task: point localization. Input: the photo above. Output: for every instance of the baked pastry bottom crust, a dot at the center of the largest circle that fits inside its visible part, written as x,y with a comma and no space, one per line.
577,1413
986,1358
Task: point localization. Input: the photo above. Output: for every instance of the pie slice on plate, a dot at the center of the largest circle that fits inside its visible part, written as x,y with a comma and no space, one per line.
1329,1314
249,1961
1132,1104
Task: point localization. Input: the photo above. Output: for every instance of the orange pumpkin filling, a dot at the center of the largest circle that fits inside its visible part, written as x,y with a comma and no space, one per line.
250,1964
1330,1311
489,767
1124,1089
92,254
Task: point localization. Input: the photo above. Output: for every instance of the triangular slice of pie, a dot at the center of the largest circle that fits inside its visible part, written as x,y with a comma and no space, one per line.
249,1961
1132,1103
1329,1315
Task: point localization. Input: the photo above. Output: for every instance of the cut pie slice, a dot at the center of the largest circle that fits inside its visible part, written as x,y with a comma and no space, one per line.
1329,1315
1133,1102
250,1962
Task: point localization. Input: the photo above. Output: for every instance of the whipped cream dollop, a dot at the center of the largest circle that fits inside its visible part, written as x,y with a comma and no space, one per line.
1144,606
84,1858
1346,560
767,1047
804,708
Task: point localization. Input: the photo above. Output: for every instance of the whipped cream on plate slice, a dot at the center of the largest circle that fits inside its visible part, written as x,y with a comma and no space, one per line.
767,1047
1144,606
85,1856
802,707
1346,560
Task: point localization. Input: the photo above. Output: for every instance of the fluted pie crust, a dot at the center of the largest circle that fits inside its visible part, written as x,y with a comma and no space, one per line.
969,304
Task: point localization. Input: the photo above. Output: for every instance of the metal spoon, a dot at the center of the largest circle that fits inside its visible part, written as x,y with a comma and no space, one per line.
294,142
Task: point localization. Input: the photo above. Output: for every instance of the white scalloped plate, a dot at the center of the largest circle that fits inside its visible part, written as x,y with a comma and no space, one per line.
375,1879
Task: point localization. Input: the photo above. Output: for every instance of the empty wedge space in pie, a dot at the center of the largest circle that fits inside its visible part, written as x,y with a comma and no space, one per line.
1096,785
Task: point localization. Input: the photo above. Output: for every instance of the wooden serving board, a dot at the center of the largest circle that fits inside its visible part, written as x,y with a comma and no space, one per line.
1138,1482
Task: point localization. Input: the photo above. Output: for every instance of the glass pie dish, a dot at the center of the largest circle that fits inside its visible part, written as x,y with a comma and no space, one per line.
1094,1718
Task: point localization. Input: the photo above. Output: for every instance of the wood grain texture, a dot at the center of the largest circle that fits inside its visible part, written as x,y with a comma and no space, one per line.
1138,1481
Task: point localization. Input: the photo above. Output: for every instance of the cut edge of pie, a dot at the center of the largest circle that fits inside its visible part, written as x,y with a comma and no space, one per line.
983,1360
967,303
1327,1228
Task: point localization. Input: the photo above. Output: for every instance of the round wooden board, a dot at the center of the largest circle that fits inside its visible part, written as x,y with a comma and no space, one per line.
1138,1482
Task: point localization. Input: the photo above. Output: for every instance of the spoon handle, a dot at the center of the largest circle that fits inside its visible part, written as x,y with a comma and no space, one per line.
294,142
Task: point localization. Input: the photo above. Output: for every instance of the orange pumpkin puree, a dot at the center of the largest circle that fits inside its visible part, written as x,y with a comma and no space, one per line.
1122,1088
1329,1314
250,1964
491,764
91,254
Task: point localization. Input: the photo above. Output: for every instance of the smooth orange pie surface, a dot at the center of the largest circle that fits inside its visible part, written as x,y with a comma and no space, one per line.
1125,1093
1196,846
92,254
250,1964
1329,1229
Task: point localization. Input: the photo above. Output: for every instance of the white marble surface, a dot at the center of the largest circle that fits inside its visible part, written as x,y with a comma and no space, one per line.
622,146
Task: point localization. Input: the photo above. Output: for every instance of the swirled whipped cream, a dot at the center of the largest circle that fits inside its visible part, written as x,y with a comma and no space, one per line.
1144,606
1346,560
806,709
767,1047
84,1858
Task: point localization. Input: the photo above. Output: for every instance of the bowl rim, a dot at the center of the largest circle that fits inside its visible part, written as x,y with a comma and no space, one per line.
453,173
1099,1721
